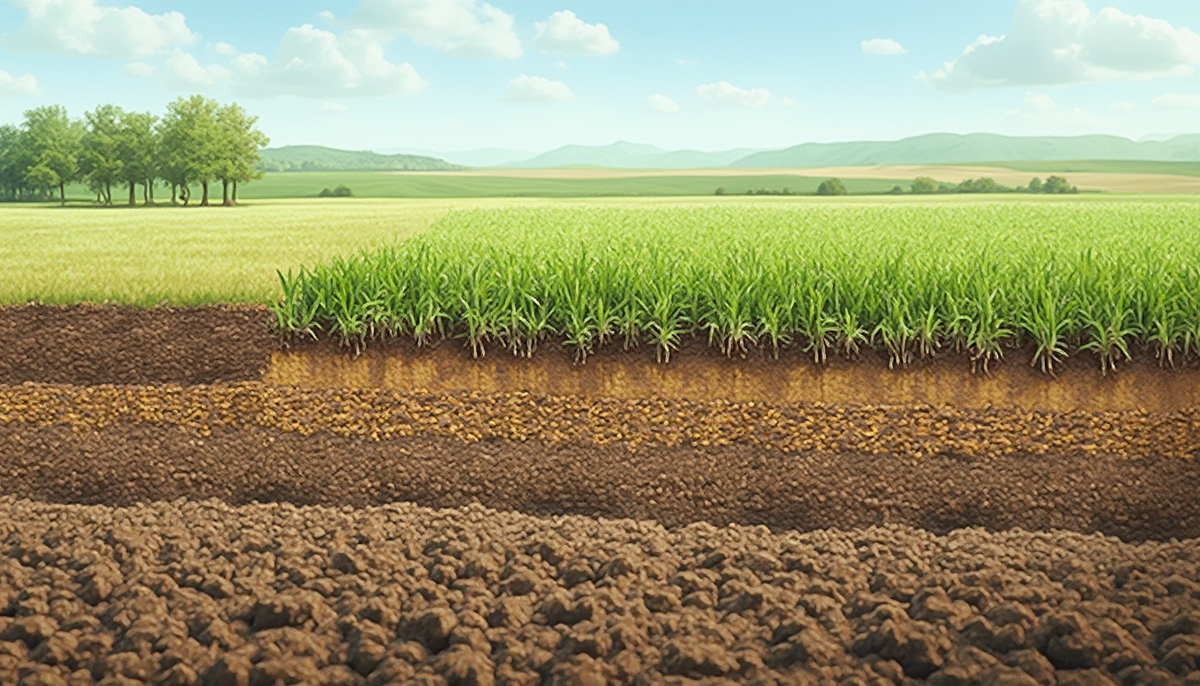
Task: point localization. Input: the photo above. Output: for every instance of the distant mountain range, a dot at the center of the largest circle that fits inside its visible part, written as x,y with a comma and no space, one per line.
319,158
937,148
946,148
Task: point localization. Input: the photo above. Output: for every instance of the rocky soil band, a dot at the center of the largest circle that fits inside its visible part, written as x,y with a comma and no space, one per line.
200,593
676,463
89,345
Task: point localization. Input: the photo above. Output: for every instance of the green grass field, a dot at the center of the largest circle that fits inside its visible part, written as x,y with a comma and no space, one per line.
910,278
407,185
145,256
1103,167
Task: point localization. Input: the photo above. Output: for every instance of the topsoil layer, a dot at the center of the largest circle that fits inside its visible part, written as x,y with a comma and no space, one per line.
87,345
200,593
90,345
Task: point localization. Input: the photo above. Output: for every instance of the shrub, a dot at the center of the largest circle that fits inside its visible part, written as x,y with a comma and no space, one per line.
832,187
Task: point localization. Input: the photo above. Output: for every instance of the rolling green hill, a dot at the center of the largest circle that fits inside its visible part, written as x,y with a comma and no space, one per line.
624,155
947,148
311,158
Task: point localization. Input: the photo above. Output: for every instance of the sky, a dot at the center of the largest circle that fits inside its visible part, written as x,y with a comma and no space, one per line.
533,75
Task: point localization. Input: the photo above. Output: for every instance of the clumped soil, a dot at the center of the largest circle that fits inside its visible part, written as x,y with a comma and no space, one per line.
114,344
204,593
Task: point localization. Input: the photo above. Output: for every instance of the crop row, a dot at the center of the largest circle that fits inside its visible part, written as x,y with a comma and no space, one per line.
980,278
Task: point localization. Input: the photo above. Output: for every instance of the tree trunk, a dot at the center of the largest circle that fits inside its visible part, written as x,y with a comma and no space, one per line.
133,194
62,193
225,193
204,195
174,194
235,191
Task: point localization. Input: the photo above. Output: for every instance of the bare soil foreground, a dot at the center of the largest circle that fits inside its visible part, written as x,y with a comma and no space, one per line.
203,593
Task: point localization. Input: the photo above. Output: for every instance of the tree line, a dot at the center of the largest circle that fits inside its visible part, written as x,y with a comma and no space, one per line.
197,141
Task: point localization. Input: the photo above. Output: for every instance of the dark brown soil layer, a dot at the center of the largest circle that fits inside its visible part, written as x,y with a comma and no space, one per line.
87,345
126,463
202,593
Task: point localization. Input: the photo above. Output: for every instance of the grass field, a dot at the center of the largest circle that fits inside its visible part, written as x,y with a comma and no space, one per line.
185,256
560,185
908,277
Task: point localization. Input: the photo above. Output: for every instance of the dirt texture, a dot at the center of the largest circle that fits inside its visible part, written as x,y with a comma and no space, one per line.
120,446
698,371
203,593
112,344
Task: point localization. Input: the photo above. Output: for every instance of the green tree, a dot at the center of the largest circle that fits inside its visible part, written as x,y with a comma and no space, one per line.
13,163
138,152
832,187
191,141
1056,185
897,190
923,185
1035,185
51,141
100,158
240,141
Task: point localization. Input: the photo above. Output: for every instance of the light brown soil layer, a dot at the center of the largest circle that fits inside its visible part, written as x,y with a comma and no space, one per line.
201,593
799,468
699,372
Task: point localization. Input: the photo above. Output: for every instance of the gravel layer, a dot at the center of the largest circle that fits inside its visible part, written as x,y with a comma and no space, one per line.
204,593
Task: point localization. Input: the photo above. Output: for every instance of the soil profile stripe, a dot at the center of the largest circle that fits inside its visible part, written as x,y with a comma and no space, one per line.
125,464
698,374
914,431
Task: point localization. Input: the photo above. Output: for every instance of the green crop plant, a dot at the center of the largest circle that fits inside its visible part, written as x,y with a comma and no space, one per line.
910,280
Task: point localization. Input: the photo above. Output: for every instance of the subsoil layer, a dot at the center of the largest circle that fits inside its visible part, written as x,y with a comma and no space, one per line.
203,593
677,463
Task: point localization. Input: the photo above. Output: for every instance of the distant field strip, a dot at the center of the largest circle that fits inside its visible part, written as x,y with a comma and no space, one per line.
1071,276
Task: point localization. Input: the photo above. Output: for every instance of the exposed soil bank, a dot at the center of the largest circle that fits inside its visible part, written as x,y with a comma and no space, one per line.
191,593
87,345
699,372
127,463
93,345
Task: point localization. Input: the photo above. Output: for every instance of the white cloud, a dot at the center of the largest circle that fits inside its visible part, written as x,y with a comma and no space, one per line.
1039,111
789,102
17,85
686,63
1177,101
139,70
662,103
465,28
566,34
225,49
725,93
1055,42
537,89
1123,107
311,62
333,107
181,71
81,27
327,16
882,46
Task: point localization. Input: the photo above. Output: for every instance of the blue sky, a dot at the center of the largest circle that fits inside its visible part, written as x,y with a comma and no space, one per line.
532,75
